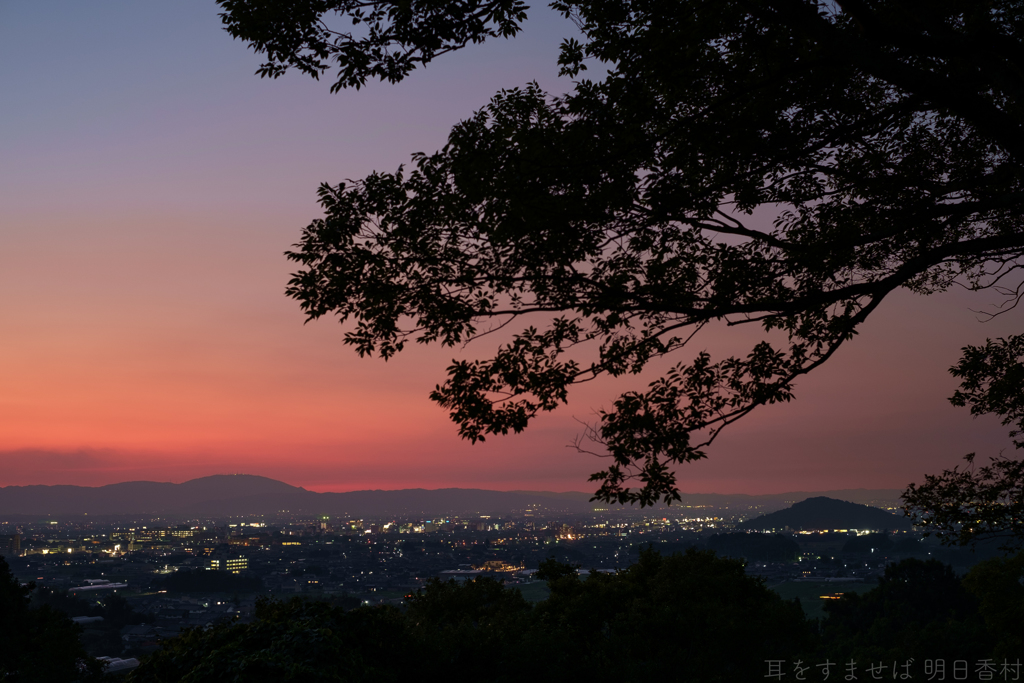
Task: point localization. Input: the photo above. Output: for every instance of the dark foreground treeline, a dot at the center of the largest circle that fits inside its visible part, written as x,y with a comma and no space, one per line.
38,644
100,638
687,617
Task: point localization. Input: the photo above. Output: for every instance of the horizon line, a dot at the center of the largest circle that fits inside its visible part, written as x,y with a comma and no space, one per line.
443,488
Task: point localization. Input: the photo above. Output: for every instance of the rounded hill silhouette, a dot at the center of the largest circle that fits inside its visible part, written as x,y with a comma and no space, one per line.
821,513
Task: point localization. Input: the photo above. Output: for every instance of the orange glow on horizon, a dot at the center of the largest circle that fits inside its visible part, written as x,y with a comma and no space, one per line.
149,196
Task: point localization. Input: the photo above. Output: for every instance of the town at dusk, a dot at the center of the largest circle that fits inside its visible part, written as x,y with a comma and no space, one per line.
637,297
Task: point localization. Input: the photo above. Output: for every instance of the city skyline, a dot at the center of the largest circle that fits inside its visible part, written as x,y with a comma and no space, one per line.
150,187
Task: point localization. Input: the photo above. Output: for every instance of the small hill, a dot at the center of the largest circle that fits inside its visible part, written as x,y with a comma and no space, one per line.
823,513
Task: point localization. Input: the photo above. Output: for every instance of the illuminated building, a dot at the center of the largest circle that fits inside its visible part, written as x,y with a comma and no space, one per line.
224,563
10,545
499,566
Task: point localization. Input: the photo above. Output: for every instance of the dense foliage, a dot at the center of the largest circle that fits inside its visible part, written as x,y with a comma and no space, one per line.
687,617
670,617
614,222
962,506
293,642
38,645
98,638
919,610
999,585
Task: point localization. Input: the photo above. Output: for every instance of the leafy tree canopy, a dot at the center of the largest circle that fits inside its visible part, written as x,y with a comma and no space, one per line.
919,610
38,645
289,642
962,506
684,617
998,584
612,223
665,618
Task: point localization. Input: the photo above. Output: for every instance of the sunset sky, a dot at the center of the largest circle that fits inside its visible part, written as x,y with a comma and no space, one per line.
149,185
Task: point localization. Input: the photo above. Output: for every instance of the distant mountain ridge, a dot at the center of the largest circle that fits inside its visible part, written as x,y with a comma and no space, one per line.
243,494
823,513
862,496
